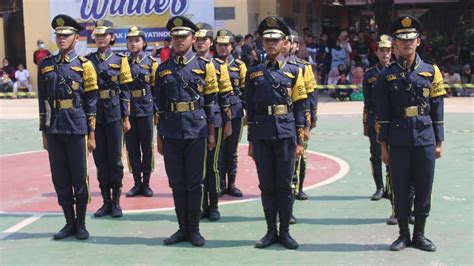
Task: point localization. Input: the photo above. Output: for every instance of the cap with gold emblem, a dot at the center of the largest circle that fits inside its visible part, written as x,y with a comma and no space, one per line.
293,37
273,28
406,28
385,41
205,30
181,26
135,31
65,25
224,36
103,26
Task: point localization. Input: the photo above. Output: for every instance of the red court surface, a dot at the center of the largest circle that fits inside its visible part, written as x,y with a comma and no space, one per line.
26,184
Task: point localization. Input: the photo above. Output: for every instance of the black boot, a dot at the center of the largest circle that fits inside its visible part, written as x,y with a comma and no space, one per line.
392,220
223,185
182,233
106,207
193,224
285,238
419,240
137,188
231,189
271,236
146,190
377,195
292,219
81,231
70,228
116,210
301,195
214,214
403,240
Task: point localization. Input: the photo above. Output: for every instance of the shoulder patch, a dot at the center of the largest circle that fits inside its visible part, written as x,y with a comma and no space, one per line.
83,59
205,59
198,71
425,74
145,66
240,62
372,80
288,74
234,69
77,69
121,54
256,74
391,77
114,66
153,59
219,60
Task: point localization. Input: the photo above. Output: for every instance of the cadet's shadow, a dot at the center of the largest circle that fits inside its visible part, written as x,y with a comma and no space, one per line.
337,198
141,217
339,221
342,247
234,219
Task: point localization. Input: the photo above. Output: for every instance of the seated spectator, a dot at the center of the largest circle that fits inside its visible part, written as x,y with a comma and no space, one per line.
333,76
22,77
467,78
357,75
338,55
343,94
41,53
6,84
9,69
452,78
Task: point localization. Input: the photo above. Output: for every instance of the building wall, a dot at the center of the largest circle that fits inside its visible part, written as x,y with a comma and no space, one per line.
36,27
2,40
240,24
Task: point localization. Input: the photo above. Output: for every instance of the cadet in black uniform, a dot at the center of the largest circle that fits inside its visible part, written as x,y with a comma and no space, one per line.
221,120
185,92
113,110
67,95
275,95
384,53
410,118
237,72
139,139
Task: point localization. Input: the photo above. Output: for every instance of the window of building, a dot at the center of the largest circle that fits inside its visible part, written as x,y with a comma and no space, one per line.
224,13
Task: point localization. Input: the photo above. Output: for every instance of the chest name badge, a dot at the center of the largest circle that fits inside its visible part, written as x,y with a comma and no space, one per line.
75,85
199,71
164,73
391,77
372,79
256,74
47,69
77,69
145,66
425,74
114,66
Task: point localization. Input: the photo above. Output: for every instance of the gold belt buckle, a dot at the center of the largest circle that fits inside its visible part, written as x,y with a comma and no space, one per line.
104,94
411,111
281,109
182,107
137,93
65,104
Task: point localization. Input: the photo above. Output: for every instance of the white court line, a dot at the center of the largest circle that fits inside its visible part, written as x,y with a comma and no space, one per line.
19,226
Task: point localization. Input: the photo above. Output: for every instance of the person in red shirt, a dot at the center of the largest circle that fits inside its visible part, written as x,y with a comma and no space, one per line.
164,52
41,53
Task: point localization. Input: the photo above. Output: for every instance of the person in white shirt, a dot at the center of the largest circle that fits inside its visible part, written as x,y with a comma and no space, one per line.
22,77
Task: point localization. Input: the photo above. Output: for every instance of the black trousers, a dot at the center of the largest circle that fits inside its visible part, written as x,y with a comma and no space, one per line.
212,178
185,166
412,165
228,165
375,160
275,161
139,143
108,154
68,163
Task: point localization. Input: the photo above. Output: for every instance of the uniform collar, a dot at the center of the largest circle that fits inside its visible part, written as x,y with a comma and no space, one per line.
105,55
402,63
140,57
280,62
67,58
185,58
230,59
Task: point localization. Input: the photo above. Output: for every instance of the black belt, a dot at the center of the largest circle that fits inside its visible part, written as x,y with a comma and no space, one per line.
181,107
